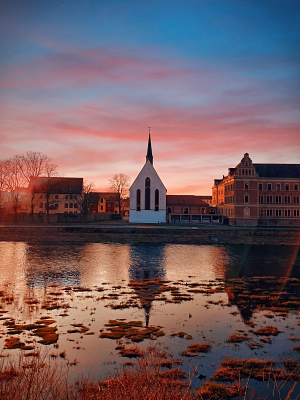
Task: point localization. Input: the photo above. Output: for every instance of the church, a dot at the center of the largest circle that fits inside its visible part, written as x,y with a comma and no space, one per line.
148,194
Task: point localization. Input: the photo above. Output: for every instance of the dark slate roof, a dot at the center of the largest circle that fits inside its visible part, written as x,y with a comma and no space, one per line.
185,199
278,170
56,185
149,155
108,196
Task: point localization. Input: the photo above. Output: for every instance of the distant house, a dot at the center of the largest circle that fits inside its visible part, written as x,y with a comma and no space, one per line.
188,208
104,202
54,195
148,194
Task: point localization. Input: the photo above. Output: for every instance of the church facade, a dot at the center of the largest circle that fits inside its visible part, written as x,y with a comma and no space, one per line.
148,194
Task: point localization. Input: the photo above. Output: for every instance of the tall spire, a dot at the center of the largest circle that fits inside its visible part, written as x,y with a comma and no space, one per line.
149,155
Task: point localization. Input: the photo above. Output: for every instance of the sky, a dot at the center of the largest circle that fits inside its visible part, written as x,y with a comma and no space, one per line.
82,82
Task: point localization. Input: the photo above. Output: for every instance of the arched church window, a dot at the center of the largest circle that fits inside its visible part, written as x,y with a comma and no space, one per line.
147,193
156,200
138,200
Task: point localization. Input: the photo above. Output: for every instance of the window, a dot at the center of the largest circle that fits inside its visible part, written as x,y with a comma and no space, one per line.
71,205
75,205
66,197
269,186
66,205
261,199
71,197
246,199
138,200
269,199
56,197
269,213
169,210
101,208
277,187
278,213
186,211
278,199
287,186
296,213
296,199
246,186
287,199
247,212
156,200
260,186
147,193
296,186
101,200
56,205
287,213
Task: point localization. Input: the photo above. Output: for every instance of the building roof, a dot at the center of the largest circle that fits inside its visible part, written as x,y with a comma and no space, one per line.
55,185
108,196
185,199
278,170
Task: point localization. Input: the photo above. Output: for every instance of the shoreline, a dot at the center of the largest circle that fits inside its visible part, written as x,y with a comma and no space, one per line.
166,234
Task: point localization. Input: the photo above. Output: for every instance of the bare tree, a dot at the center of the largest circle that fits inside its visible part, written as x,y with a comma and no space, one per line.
4,174
120,183
35,164
84,200
15,181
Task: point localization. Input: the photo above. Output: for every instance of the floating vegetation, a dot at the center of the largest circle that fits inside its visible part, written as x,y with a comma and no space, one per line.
263,370
237,338
267,331
194,349
132,330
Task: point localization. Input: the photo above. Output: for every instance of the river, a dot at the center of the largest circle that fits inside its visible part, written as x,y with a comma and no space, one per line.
207,292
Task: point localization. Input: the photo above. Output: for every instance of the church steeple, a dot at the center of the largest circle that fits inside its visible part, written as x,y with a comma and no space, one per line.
149,155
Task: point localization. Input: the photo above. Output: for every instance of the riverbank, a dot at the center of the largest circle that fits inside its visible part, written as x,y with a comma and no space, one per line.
125,233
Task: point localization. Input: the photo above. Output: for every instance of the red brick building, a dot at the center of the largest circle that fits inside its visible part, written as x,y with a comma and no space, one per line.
259,194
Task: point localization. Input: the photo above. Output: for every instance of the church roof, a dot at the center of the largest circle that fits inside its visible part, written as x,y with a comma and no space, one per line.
149,155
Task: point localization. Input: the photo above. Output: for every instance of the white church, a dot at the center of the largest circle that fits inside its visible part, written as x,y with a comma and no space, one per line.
148,194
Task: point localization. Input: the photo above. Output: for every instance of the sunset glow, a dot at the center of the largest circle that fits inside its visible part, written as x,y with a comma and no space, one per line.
81,81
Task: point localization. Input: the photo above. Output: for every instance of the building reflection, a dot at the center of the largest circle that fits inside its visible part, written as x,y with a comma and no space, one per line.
147,262
262,277
48,264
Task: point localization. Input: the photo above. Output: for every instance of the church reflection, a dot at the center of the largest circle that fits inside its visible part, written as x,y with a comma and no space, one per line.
147,263
260,277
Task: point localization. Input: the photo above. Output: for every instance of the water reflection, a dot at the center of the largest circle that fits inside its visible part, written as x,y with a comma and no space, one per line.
260,277
147,261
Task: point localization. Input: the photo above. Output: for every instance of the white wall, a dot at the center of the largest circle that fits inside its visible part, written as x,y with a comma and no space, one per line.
147,217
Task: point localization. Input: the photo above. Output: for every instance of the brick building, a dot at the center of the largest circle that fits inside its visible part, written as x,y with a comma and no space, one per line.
259,194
